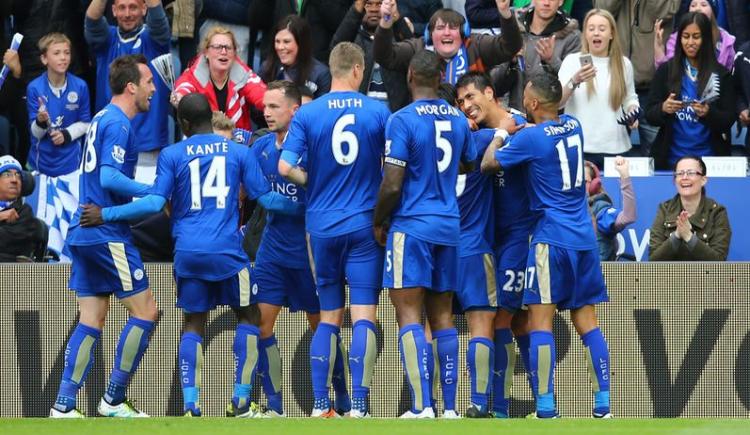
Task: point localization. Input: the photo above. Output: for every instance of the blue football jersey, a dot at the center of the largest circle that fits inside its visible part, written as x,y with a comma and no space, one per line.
343,136
150,126
71,106
553,156
110,141
202,176
283,240
474,192
428,138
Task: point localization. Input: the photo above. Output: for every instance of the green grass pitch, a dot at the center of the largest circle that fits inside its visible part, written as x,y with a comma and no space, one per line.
218,426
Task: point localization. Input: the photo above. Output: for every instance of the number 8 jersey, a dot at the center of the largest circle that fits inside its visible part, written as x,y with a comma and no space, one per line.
553,154
428,137
342,133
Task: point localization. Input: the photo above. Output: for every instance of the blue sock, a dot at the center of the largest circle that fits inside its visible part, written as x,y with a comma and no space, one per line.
269,369
505,363
132,345
415,358
79,356
323,350
446,341
339,377
542,356
480,357
364,352
245,349
432,371
190,355
597,355
523,342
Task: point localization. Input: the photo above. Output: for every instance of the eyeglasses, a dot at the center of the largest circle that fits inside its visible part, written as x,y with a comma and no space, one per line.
10,174
690,173
221,47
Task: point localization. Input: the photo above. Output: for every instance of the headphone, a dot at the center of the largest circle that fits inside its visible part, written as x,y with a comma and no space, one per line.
595,184
465,32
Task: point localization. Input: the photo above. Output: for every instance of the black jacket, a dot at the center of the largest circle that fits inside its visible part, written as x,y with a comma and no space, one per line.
742,82
719,119
22,237
351,30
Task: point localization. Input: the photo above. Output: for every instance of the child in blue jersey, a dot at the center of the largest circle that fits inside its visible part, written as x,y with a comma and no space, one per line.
201,175
494,207
58,106
132,36
342,134
104,258
563,270
424,143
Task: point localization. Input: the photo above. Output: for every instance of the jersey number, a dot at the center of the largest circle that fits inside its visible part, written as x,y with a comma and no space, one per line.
572,141
340,136
514,280
443,144
214,186
89,156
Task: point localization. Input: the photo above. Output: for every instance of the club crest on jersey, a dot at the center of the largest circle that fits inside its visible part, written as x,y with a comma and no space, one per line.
255,289
72,97
138,274
118,153
137,43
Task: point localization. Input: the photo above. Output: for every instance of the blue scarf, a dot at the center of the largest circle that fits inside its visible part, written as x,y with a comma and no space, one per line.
457,66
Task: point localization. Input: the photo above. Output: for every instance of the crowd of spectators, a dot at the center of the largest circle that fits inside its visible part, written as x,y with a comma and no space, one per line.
677,71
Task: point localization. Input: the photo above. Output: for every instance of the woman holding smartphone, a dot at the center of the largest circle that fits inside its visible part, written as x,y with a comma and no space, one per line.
598,89
692,98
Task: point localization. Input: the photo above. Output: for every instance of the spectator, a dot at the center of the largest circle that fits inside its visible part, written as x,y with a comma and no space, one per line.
690,226
418,13
359,27
608,92
635,25
742,84
292,57
184,16
483,15
229,14
11,93
132,36
229,85
21,235
449,38
733,15
722,40
608,220
692,98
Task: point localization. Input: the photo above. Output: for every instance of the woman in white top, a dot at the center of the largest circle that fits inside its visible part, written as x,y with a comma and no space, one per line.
598,89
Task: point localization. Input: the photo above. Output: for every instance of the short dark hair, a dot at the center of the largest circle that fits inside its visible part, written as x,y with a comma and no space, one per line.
426,69
447,92
448,16
547,86
124,70
195,110
289,89
480,81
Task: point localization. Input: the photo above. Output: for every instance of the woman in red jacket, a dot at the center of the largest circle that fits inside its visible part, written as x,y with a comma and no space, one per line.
230,85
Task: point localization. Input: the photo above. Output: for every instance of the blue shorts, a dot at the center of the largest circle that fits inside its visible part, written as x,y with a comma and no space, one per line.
567,278
355,257
477,286
411,262
511,269
106,268
195,295
285,287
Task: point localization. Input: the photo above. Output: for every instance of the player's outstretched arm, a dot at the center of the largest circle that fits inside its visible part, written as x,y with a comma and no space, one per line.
490,165
278,203
93,215
388,197
115,181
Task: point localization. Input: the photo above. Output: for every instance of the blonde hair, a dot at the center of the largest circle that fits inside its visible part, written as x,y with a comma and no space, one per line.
221,122
52,38
617,89
218,30
343,58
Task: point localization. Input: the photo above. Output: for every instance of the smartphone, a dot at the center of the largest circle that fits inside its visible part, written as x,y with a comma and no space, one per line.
585,59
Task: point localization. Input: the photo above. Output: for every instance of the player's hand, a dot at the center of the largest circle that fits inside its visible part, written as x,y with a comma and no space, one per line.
42,116
388,12
381,234
503,6
586,73
745,117
10,215
684,227
11,59
700,109
546,48
91,215
622,167
175,99
57,137
509,124
671,105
